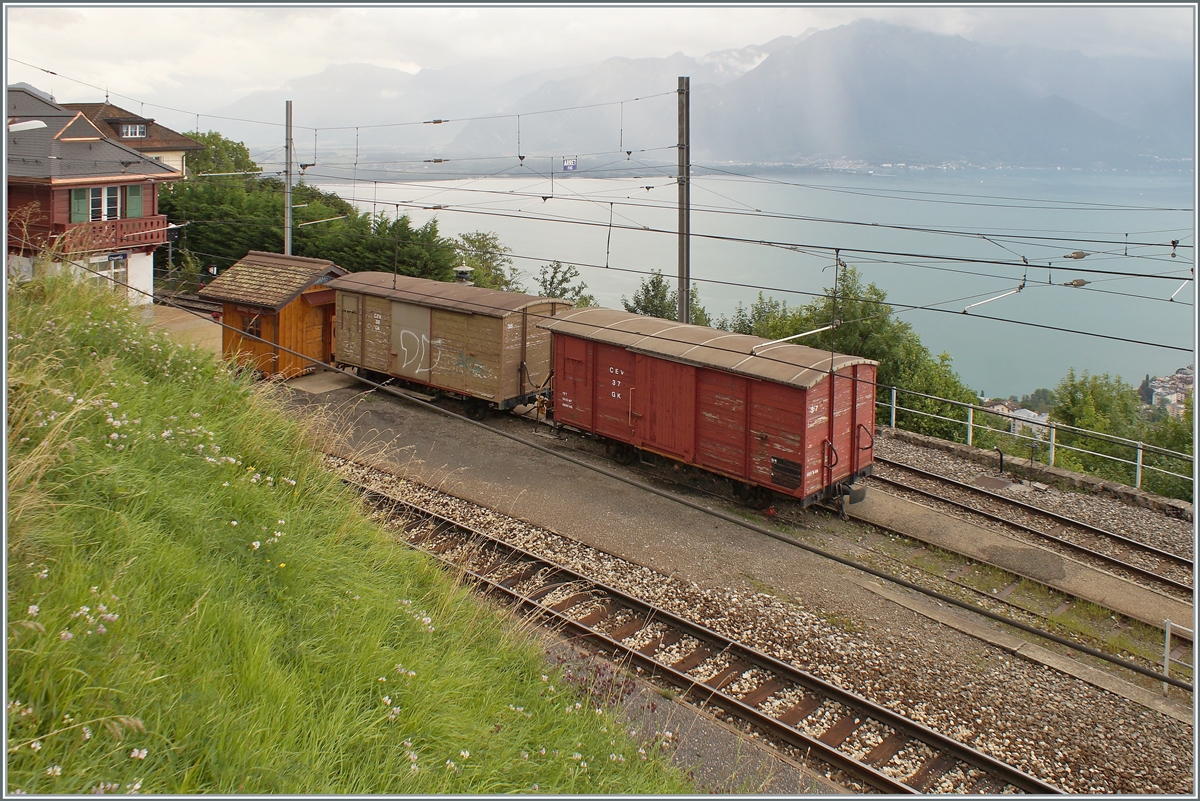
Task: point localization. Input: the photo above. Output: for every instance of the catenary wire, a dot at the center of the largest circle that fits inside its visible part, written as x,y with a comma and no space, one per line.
862,300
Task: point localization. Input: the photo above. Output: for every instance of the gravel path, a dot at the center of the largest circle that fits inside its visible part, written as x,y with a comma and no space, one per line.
1046,723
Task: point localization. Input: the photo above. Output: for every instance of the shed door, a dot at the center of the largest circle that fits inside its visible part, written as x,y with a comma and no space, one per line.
410,341
614,390
664,406
314,333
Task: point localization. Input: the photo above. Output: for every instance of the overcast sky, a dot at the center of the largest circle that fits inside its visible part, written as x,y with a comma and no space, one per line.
202,58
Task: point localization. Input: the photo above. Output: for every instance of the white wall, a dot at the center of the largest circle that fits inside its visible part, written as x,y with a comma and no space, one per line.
141,276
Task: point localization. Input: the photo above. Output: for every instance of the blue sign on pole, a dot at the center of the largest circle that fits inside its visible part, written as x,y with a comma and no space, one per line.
570,164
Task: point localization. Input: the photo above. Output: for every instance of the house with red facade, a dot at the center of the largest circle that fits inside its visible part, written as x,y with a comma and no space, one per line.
74,193
140,133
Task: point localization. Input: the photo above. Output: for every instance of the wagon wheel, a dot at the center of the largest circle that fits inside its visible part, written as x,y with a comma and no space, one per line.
476,409
758,497
620,452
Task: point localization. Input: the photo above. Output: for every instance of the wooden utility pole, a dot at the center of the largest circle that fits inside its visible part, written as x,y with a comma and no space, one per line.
685,204
287,190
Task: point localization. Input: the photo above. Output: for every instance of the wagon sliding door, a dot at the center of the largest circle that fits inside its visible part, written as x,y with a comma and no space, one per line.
349,328
613,384
664,407
410,341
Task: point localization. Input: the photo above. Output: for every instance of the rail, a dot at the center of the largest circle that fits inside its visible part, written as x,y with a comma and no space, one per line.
1047,434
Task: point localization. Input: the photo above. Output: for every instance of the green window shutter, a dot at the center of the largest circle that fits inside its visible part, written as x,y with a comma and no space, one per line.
133,202
79,205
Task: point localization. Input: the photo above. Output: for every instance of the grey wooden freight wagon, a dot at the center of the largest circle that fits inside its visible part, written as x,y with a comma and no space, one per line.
476,343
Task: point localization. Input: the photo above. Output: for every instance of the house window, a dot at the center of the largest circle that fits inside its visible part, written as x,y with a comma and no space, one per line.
112,274
137,131
105,203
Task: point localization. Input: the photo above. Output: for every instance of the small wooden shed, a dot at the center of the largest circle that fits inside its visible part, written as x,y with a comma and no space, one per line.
285,301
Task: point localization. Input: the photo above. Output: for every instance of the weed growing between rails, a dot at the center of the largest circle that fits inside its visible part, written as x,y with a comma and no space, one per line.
197,605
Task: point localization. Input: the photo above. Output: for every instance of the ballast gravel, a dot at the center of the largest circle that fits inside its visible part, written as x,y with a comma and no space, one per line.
1048,724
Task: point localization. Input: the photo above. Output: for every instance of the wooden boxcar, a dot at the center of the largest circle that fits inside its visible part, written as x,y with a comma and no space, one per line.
282,299
476,343
780,420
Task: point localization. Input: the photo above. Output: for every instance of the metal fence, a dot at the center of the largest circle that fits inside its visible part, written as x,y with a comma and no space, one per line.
1047,433
1168,628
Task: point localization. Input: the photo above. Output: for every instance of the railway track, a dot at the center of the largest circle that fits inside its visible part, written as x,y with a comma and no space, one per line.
871,744
191,302
1139,561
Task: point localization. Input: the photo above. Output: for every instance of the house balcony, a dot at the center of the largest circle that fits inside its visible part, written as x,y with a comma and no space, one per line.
133,232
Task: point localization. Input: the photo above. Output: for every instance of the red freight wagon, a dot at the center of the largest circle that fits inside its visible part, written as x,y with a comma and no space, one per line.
775,418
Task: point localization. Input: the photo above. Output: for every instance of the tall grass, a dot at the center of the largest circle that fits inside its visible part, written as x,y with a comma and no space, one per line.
195,605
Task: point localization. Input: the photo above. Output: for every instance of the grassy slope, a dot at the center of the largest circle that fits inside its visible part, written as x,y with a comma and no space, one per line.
241,668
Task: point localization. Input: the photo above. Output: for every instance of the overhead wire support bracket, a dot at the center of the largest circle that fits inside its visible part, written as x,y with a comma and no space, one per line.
989,300
756,348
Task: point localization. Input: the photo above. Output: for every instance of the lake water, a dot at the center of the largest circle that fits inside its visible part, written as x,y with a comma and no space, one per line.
1037,214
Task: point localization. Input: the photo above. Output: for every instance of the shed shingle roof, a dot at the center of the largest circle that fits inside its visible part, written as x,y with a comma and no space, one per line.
268,279
785,363
439,294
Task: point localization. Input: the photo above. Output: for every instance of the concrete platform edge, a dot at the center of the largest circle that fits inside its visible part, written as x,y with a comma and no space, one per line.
1034,653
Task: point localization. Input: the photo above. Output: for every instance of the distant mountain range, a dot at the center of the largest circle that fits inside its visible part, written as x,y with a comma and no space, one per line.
867,93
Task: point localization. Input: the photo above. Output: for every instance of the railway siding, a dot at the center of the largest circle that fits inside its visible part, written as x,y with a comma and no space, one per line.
1051,475
1029,561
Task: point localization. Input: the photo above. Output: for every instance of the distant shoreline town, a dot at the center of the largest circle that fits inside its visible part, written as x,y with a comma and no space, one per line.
1169,392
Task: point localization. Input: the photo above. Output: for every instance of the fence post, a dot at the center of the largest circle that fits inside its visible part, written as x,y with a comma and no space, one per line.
893,407
1166,652
1138,482
970,423
1052,444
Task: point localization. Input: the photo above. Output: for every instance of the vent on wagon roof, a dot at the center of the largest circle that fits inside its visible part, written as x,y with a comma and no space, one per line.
796,365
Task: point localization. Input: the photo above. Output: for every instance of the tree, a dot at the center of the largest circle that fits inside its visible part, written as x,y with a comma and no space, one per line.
489,261
219,155
1145,391
867,327
1096,402
228,216
655,298
554,281
1040,401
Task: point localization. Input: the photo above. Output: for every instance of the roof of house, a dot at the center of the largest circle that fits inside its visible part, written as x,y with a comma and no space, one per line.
269,279
69,147
108,118
785,363
440,294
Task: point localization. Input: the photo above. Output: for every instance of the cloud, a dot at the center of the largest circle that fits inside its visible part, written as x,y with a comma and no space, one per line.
202,58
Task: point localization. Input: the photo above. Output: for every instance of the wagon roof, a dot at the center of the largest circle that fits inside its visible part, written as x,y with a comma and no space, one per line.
440,294
785,363
268,279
